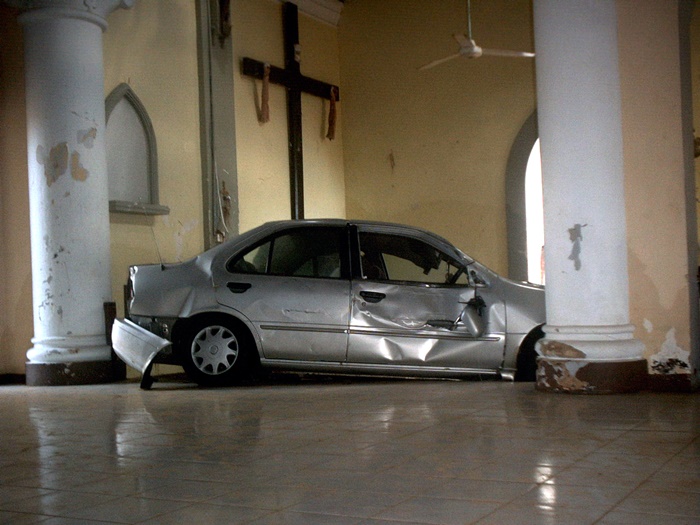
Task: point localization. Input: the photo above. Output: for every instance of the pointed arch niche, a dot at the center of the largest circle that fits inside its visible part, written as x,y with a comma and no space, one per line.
132,157
524,206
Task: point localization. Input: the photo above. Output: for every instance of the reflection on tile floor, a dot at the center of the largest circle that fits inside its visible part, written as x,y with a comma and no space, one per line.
347,452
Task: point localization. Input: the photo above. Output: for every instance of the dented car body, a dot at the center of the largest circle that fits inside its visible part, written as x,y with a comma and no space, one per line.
330,296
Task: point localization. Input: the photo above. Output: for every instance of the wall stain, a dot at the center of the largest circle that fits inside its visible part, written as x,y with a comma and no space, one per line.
55,163
76,169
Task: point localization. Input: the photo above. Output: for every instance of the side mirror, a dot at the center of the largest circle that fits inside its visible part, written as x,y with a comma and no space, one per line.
472,320
477,281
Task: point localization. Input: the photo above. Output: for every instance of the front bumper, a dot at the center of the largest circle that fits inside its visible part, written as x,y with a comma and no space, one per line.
139,348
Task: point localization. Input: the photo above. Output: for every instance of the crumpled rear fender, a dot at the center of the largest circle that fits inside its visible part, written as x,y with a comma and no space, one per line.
171,290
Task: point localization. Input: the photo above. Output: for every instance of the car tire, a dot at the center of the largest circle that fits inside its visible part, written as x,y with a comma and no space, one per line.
215,352
527,356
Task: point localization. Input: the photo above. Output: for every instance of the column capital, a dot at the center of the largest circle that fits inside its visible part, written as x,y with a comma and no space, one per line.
95,11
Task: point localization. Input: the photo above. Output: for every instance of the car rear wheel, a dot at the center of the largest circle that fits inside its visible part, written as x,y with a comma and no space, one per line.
214,352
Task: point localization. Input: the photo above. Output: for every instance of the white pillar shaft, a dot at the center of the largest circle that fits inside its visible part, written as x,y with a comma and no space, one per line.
580,126
69,215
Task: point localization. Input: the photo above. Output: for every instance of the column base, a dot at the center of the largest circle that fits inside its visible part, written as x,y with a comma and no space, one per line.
583,376
77,373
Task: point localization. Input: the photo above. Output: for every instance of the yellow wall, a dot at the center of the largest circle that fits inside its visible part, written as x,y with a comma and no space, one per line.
16,324
153,48
263,173
429,148
660,298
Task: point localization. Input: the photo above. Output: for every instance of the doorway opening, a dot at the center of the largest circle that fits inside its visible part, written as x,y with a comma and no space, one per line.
534,216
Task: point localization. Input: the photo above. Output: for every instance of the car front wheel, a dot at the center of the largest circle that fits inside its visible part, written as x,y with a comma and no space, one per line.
213,352
527,357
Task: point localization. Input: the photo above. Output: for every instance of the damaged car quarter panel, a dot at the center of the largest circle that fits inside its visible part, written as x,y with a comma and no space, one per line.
335,296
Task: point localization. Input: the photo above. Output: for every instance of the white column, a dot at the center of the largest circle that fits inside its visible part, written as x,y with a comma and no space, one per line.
69,216
580,126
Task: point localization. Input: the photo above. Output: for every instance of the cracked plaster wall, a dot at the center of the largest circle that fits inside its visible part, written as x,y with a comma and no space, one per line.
661,225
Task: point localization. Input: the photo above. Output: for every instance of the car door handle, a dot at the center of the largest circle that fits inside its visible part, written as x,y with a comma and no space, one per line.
372,297
238,287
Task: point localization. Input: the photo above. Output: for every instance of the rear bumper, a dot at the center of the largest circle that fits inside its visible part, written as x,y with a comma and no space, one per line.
138,348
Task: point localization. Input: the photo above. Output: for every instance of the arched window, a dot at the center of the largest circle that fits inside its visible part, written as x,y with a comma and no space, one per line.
132,158
516,209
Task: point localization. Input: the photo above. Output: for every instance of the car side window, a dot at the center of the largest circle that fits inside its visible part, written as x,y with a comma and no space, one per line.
398,258
253,261
302,252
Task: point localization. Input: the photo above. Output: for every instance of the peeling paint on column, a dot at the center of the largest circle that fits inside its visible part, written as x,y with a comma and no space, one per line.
55,163
561,376
76,169
86,117
576,236
86,137
559,349
46,303
671,359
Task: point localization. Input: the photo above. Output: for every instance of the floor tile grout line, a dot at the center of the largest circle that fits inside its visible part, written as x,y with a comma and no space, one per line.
639,485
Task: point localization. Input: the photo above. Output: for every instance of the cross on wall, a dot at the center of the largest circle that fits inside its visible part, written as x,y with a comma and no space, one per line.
295,83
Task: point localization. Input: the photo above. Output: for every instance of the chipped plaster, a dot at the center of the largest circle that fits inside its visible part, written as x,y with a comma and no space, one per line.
671,358
559,349
55,163
87,137
561,376
77,171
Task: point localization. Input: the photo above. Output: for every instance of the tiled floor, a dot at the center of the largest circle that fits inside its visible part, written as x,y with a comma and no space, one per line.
342,452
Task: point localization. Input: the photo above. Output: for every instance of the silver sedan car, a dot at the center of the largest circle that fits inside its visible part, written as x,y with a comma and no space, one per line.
330,296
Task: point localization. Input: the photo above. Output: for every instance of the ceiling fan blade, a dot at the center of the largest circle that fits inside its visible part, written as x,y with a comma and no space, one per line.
507,53
439,61
462,39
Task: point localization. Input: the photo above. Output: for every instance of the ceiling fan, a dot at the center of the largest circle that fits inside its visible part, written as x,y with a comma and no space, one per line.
469,49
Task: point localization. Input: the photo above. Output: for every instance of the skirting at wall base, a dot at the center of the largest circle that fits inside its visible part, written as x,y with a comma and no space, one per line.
673,382
12,379
78,373
580,376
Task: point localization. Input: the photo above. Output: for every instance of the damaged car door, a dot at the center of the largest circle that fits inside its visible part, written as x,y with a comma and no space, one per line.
293,287
415,307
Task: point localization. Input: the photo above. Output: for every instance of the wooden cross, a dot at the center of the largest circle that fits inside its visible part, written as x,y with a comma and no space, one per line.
296,84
